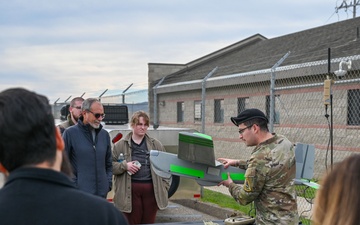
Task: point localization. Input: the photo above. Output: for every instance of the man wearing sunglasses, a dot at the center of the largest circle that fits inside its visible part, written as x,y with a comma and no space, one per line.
270,171
74,114
89,150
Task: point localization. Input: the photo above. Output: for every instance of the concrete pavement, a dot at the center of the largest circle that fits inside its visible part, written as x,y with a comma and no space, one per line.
176,212
193,211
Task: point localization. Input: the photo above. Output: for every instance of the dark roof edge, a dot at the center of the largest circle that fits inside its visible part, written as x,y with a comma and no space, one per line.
167,64
253,38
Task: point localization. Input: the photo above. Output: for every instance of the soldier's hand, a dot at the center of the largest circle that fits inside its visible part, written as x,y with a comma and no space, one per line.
226,182
228,162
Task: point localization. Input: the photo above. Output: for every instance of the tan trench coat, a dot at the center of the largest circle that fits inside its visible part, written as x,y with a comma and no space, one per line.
122,180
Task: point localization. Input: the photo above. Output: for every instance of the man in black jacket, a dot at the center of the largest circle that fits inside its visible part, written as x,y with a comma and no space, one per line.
89,150
36,192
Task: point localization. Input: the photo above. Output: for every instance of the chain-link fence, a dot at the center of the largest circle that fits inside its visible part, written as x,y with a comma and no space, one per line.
291,96
135,100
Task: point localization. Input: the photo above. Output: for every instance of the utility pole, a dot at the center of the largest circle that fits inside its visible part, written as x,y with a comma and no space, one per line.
345,5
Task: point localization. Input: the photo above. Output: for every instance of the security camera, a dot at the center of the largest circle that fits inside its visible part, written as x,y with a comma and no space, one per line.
340,73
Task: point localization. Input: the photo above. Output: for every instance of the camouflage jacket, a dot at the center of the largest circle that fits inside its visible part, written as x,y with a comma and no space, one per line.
269,182
66,124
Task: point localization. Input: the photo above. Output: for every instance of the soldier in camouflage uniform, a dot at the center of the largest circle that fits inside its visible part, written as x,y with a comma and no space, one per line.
269,171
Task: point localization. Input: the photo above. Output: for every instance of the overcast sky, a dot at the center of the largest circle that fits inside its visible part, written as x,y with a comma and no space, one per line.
62,48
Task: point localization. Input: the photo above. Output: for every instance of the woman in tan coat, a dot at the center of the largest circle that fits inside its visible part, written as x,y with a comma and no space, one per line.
139,192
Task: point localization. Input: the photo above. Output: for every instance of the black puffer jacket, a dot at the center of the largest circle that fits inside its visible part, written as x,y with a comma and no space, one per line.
91,160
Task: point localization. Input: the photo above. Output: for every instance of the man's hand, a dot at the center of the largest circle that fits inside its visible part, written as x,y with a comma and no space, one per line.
228,162
226,182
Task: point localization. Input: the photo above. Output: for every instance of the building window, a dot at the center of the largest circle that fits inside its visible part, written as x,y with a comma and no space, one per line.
219,111
180,112
276,113
241,104
197,110
353,107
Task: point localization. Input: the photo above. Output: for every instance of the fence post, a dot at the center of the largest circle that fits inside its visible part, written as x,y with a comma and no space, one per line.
102,95
272,91
123,93
203,95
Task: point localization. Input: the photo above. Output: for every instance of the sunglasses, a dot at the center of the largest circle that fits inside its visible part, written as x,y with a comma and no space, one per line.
97,115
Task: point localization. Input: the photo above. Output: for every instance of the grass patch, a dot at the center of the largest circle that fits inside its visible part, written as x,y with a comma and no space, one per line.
225,201
305,191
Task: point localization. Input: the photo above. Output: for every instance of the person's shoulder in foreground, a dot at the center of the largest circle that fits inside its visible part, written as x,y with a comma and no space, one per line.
36,190
45,196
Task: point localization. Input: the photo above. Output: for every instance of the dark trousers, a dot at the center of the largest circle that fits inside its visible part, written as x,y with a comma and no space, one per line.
144,206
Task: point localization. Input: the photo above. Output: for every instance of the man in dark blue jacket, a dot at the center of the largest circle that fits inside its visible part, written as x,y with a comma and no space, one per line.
36,192
89,150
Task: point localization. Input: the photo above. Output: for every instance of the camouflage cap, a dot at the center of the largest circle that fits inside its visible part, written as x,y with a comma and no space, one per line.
248,114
